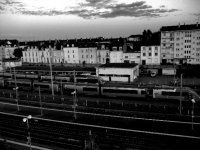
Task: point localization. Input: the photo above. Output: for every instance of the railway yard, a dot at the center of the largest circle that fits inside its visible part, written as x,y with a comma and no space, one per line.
98,115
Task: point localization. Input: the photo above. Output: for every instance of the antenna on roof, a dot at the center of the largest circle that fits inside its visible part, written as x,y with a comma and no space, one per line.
179,24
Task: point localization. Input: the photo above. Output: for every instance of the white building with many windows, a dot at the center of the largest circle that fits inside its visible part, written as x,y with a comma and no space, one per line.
34,55
180,44
150,55
87,55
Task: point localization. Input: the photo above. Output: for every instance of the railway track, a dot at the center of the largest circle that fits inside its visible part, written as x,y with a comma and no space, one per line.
74,135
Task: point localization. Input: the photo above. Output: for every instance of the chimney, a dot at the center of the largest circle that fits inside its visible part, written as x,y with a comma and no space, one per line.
197,24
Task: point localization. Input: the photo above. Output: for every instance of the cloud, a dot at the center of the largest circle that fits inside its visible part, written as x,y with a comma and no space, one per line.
162,6
1,8
135,9
96,3
91,9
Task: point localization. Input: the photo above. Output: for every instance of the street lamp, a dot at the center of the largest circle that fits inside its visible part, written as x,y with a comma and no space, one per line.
74,103
192,113
28,128
41,112
16,89
180,109
50,65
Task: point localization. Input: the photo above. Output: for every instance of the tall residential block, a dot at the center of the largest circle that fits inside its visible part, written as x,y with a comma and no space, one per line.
180,44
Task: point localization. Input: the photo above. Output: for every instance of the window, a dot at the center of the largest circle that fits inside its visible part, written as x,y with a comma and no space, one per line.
156,54
149,54
82,56
156,48
144,54
126,57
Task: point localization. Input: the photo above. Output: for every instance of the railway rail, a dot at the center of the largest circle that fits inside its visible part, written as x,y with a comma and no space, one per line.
66,134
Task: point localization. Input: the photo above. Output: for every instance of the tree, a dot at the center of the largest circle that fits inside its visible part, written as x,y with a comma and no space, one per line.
18,52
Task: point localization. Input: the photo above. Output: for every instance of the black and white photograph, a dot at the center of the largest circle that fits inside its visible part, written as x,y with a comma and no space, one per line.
99,74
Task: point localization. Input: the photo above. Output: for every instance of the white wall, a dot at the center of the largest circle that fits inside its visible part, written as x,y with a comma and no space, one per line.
116,56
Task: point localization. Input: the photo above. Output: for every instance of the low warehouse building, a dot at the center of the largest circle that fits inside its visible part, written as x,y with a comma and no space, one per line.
121,72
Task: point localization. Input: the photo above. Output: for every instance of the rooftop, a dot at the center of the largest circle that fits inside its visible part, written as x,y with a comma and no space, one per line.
118,65
181,27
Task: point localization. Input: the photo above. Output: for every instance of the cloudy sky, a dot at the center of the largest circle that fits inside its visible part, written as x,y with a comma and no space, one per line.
61,19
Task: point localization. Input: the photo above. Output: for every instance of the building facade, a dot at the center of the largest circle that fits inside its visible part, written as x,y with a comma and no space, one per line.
87,55
150,55
8,51
180,44
34,55
116,56
103,55
133,57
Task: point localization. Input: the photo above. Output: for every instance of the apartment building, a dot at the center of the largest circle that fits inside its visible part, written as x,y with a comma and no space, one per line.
71,54
33,55
87,55
150,55
103,54
180,44
8,51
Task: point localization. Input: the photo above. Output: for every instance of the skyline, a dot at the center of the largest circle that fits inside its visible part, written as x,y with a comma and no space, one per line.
64,19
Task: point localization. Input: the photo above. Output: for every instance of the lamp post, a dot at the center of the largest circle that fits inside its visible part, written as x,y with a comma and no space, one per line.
180,109
16,90
192,113
61,89
74,103
50,65
41,111
28,128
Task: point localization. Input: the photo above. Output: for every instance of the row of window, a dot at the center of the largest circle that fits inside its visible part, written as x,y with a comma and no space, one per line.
187,33
149,48
150,54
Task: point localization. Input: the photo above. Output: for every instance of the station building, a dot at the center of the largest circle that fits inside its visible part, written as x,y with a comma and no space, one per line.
118,72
